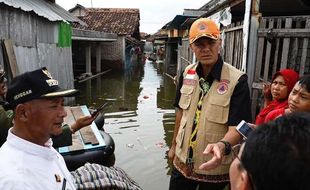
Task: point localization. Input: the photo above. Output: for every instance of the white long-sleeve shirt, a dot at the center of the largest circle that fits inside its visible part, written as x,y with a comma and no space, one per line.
28,166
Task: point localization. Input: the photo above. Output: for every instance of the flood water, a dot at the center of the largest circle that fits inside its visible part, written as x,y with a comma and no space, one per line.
140,118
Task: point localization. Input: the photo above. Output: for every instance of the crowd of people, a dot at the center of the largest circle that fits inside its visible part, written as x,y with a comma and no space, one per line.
207,151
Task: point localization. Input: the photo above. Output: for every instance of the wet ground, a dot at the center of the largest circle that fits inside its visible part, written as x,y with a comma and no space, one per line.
140,119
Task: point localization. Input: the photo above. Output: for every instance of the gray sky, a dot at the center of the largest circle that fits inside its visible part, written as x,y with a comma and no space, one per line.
153,13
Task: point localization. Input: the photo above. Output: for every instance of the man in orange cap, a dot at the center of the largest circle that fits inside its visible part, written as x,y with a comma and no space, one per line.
212,98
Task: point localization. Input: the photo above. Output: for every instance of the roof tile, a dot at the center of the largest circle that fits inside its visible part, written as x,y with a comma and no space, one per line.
113,20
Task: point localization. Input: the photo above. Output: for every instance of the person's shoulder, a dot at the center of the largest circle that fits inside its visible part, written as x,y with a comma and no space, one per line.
10,179
10,158
234,72
274,114
243,78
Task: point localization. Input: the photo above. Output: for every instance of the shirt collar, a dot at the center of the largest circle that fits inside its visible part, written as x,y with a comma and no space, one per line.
46,151
216,70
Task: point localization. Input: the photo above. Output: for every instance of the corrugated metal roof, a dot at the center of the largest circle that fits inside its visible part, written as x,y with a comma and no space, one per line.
178,20
91,35
46,9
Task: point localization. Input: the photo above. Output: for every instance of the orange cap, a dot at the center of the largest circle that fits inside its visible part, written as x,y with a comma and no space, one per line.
203,27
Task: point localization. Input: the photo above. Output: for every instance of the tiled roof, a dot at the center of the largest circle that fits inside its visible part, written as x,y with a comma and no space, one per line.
144,35
112,20
134,40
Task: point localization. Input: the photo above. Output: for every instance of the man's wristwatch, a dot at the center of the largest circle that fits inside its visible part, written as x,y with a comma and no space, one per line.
227,147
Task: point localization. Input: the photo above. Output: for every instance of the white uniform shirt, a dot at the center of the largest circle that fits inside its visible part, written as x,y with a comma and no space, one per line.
28,166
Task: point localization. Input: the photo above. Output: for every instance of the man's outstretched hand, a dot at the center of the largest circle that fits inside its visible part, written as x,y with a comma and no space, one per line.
216,150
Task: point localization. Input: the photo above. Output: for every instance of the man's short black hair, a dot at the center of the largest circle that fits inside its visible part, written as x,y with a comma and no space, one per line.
304,82
277,154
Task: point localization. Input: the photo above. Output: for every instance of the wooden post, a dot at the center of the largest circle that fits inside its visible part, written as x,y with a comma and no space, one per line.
246,30
252,52
286,45
88,59
98,58
277,44
267,55
304,50
10,56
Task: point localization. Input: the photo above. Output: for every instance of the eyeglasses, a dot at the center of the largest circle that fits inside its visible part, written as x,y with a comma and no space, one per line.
235,150
2,78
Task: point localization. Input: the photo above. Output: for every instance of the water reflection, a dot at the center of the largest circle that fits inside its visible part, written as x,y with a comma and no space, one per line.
140,118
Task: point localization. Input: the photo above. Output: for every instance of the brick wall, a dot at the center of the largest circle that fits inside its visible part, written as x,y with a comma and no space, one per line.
113,53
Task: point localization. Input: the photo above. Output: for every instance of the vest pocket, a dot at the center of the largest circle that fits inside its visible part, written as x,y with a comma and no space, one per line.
181,133
186,96
218,113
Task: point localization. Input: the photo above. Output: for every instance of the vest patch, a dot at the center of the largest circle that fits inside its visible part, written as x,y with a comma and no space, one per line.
225,81
191,82
222,88
189,78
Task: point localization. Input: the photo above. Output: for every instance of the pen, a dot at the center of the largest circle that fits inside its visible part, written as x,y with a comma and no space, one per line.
64,184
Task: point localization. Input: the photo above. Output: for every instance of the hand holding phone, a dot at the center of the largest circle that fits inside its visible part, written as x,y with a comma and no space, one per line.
244,129
99,109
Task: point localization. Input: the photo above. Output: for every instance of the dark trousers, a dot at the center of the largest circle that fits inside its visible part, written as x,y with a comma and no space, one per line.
179,182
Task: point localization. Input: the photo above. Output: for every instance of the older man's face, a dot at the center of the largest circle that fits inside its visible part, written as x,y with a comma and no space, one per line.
206,50
46,118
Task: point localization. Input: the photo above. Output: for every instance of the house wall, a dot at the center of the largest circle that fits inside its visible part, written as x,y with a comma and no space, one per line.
185,56
35,44
78,12
113,53
171,59
174,33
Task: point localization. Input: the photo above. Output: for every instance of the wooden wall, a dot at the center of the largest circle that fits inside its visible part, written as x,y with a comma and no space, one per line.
232,50
34,43
283,42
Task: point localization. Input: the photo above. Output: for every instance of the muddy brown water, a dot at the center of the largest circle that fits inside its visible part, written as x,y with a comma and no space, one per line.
140,118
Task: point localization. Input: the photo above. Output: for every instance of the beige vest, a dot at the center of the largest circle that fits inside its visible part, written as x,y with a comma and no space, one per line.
214,116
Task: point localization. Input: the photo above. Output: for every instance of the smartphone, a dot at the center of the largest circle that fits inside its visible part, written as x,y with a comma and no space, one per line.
244,129
99,109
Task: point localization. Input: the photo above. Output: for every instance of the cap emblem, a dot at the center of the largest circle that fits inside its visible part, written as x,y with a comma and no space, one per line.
51,81
202,27
48,74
